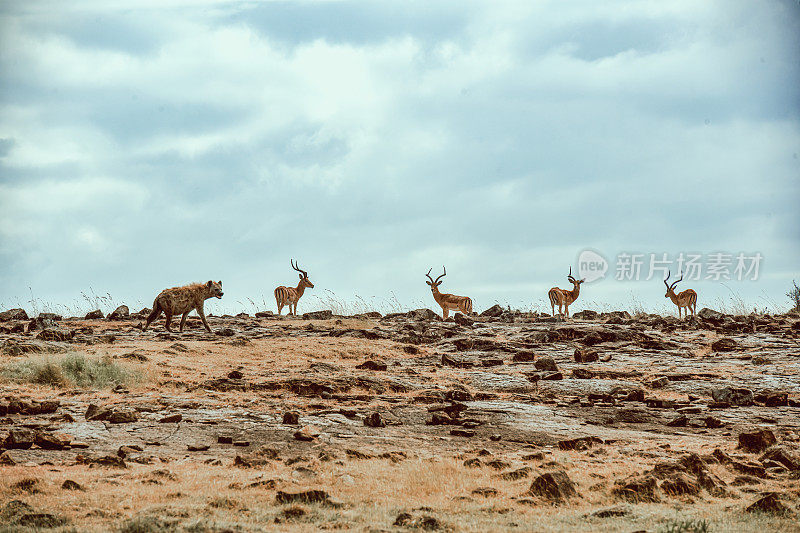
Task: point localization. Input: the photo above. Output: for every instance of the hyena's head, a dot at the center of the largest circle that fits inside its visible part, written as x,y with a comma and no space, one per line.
214,288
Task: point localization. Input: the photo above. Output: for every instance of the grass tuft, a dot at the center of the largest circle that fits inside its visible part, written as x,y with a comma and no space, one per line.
70,370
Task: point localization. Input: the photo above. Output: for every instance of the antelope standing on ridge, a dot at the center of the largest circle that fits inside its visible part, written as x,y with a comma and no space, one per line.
448,301
290,295
563,297
687,298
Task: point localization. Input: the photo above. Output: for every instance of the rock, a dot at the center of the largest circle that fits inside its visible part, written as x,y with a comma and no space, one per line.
524,356
462,320
586,355
711,315
768,504
774,399
318,315
679,484
171,419
374,420
19,439
422,314
372,365
71,485
678,422
659,383
473,463
56,334
29,485
586,315
610,512
782,456
94,315
13,314
486,492
235,374
724,344
48,441
713,422
637,489
554,486
457,361
197,447
40,520
226,332
120,313
113,461
462,433
308,496
756,441
582,373
305,434
514,475
291,418
734,396
6,459
493,312
546,364
425,522
552,376
123,416
581,443
264,314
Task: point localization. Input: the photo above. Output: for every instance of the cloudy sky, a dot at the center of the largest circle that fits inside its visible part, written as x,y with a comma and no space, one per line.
147,147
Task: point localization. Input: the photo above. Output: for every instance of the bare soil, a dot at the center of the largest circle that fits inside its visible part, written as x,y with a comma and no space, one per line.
408,422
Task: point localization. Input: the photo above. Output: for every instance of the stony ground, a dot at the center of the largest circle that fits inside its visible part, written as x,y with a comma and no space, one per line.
506,421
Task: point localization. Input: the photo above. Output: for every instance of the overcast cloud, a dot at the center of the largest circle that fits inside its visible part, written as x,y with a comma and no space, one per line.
147,147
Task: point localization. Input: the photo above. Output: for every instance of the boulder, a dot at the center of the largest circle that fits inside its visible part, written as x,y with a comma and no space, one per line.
554,486
725,344
637,489
733,396
422,314
13,314
756,441
710,315
586,355
768,504
318,315
120,313
493,312
586,315
94,315
546,364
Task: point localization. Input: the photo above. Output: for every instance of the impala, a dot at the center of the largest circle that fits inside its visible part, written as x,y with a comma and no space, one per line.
564,297
687,298
290,295
448,301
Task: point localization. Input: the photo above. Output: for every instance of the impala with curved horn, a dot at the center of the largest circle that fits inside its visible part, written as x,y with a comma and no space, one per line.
687,298
290,295
563,297
448,301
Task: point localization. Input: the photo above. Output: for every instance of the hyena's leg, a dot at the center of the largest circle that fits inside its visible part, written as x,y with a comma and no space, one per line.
203,318
183,319
169,320
154,314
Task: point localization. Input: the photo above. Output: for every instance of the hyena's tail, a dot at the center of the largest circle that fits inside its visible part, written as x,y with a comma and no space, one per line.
153,314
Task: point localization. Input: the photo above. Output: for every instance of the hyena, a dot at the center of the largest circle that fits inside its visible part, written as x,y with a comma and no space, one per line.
181,300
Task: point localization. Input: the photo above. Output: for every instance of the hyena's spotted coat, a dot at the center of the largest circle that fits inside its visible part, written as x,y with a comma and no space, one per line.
181,300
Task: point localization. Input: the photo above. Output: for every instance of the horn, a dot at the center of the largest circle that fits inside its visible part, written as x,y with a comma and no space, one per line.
669,273
429,275
443,275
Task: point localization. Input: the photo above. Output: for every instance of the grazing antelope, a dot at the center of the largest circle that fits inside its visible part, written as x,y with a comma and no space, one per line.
563,297
448,301
687,298
290,295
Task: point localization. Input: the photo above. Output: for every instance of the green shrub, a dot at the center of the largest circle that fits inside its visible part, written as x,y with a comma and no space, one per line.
685,526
